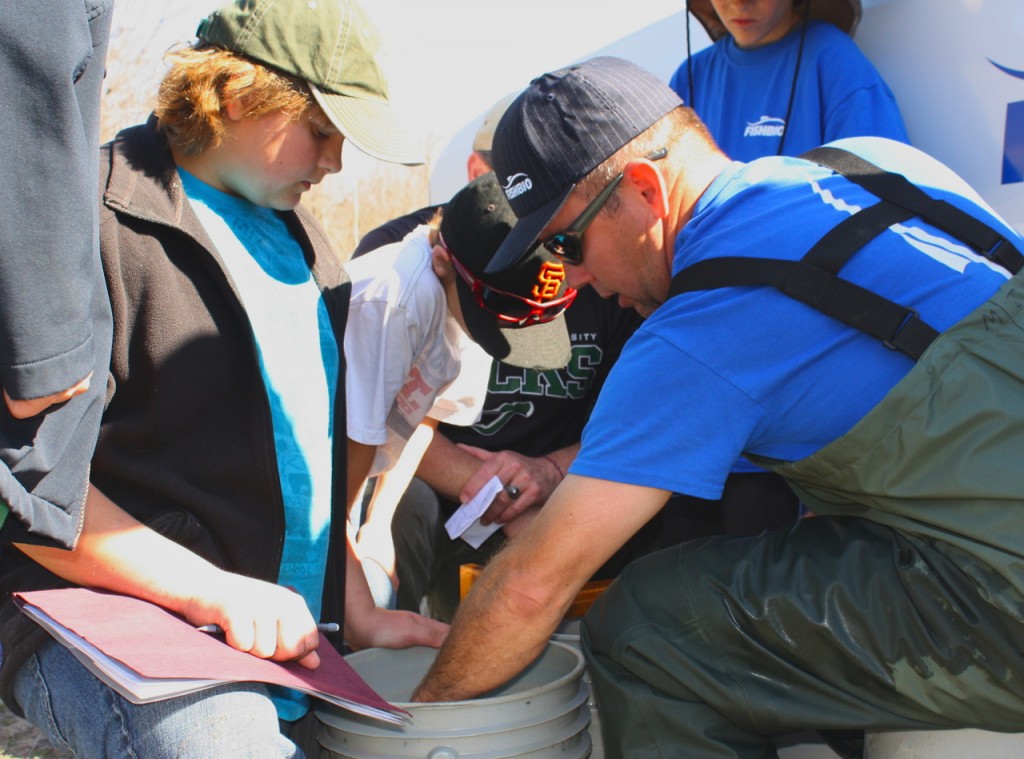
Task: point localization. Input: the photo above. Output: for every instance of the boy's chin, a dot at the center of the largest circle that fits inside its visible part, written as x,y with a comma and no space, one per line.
284,204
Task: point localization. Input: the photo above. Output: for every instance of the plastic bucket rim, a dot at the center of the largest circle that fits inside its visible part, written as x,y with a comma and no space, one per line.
328,719
579,729
576,672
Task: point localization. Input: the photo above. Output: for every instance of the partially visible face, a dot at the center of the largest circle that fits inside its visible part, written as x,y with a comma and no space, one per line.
441,263
275,159
753,23
621,255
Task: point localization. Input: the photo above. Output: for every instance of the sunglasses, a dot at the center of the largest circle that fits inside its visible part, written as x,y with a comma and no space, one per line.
567,245
508,307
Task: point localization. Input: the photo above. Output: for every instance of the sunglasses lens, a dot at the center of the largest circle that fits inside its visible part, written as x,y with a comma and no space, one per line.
514,308
564,247
506,305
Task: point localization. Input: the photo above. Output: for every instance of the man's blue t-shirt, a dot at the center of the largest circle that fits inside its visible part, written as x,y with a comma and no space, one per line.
743,95
711,374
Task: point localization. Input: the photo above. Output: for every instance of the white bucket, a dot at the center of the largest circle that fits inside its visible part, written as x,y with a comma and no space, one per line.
569,632
943,744
541,713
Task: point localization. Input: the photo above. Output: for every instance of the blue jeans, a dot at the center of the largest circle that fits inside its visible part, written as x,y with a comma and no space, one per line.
79,712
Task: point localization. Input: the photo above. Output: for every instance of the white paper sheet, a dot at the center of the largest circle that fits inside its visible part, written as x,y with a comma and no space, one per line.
465,522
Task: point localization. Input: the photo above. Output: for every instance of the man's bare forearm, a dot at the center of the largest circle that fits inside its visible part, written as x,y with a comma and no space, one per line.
523,594
499,632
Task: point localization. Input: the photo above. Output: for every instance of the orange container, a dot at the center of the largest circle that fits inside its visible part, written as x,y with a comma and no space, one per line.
468,574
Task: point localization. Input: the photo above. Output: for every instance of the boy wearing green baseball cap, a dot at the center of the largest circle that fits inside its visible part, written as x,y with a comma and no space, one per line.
218,484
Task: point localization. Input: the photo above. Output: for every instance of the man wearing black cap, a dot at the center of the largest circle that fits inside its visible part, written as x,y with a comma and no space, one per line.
869,351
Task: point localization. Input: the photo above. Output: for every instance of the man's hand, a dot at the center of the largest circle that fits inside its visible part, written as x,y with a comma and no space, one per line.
23,409
535,478
523,593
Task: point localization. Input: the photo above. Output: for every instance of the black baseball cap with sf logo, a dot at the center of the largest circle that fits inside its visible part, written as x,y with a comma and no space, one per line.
514,314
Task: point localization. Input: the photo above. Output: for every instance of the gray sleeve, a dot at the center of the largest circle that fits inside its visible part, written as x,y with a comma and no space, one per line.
52,56
55,322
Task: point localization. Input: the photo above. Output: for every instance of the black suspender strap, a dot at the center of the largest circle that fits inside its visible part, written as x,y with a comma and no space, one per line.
897,327
814,281
896,189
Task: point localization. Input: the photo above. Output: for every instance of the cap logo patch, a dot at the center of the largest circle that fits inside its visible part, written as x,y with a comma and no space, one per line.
549,281
516,185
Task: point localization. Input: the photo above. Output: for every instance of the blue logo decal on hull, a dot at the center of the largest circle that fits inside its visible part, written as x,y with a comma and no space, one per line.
1013,143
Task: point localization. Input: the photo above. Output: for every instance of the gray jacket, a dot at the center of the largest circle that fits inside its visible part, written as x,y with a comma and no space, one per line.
54,313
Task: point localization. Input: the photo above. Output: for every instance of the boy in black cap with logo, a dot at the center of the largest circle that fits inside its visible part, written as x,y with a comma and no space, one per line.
870,351
218,483
527,434
417,308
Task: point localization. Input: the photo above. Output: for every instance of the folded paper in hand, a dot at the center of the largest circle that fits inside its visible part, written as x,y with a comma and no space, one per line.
465,522
146,653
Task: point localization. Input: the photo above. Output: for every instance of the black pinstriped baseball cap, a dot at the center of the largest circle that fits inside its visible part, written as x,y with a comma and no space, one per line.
561,127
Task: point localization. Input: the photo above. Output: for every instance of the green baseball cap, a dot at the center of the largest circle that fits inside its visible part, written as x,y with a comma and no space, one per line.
332,46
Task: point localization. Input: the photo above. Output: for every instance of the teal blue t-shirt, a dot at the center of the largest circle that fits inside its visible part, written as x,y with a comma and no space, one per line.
298,358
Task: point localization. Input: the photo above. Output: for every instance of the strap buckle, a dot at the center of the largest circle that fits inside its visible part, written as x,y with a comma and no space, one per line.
891,343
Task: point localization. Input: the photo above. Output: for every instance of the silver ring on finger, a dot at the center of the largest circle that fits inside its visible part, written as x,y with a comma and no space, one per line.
512,491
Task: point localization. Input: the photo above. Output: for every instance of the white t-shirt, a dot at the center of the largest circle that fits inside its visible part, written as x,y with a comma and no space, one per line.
407,357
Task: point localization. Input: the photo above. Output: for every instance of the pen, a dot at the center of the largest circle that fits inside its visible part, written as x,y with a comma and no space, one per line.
327,627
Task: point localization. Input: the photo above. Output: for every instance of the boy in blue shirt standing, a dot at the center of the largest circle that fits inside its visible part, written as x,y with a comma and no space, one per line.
779,81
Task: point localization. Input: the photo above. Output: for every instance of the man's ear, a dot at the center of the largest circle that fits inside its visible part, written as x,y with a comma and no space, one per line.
476,166
643,176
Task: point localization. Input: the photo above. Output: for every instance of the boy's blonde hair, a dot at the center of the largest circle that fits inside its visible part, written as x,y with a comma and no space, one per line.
202,79
434,226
